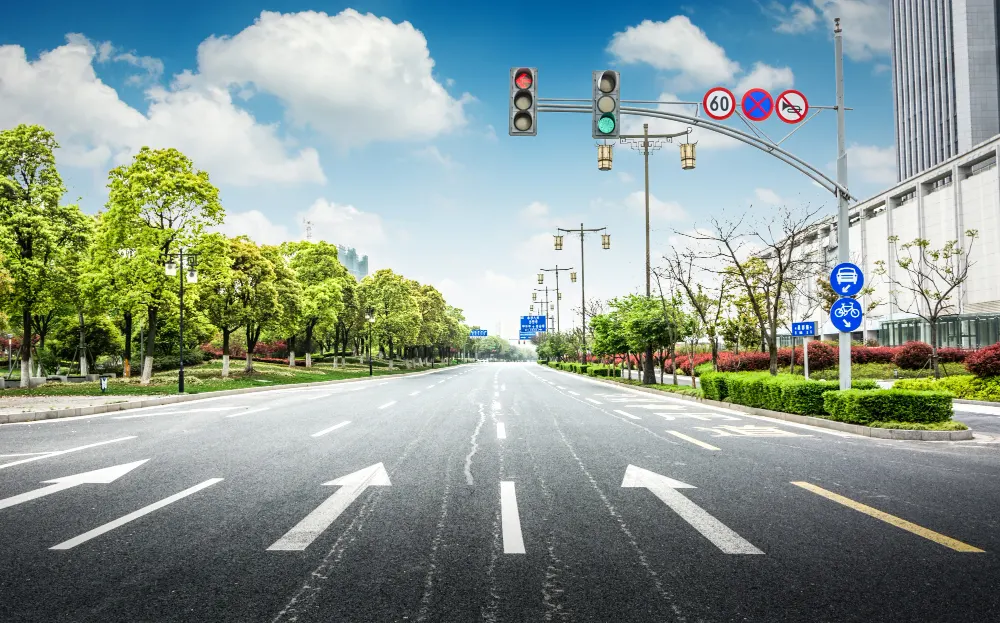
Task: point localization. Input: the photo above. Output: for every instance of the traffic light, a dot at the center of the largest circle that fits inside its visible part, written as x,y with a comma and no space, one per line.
607,110
523,101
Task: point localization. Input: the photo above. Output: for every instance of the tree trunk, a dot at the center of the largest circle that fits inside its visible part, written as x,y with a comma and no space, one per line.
673,360
694,379
628,359
934,349
26,348
147,364
252,337
309,343
715,353
83,344
249,366
225,352
791,366
772,347
648,377
127,364
291,352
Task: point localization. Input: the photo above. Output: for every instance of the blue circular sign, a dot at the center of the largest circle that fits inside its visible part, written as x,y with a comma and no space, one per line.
847,279
757,104
846,314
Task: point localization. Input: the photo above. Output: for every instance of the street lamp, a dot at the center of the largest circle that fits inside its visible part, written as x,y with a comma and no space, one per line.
170,268
604,157
541,278
559,242
370,317
534,296
606,241
605,244
572,277
687,156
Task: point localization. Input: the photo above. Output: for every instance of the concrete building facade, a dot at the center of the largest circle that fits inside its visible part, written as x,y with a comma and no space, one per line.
946,79
357,266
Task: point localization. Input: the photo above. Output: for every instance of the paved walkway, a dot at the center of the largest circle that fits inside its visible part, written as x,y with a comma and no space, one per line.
18,404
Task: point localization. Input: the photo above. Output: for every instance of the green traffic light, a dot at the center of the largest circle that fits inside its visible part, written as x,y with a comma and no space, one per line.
606,124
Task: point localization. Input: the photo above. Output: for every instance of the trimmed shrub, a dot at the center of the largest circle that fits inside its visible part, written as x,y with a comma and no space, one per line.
984,363
744,362
862,384
952,355
713,385
897,405
965,387
912,355
868,354
581,368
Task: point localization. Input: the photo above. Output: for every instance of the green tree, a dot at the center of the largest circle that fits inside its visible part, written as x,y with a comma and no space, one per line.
322,278
156,205
397,314
34,226
645,325
258,286
286,316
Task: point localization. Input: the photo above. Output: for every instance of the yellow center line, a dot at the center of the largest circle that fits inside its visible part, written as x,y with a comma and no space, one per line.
696,442
956,545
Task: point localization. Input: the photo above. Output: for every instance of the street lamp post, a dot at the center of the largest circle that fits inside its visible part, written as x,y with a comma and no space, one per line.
547,306
557,270
171,270
370,316
605,244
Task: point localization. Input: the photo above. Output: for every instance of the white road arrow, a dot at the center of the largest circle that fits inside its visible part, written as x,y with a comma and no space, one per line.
98,476
351,486
710,527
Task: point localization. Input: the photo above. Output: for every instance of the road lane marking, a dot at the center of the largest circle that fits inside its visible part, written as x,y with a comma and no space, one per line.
257,410
430,386
941,539
111,525
415,393
560,387
496,394
596,402
388,404
696,442
501,431
331,429
317,397
61,452
627,414
574,393
180,412
103,476
25,454
513,543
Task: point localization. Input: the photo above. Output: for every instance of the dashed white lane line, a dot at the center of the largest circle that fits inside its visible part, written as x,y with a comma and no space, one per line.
627,414
596,402
513,542
331,429
415,393
60,452
181,412
574,393
257,410
317,397
430,386
560,387
696,442
111,525
501,431
388,404
496,394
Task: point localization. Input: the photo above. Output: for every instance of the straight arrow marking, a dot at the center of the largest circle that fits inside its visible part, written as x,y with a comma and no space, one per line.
352,485
513,542
111,525
97,476
711,528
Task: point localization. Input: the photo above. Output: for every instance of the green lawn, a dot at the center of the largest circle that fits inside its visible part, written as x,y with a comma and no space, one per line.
686,390
207,378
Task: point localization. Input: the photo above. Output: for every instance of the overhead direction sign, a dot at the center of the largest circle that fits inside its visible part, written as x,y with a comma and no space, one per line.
846,315
757,104
791,106
477,333
719,103
847,279
804,329
530,325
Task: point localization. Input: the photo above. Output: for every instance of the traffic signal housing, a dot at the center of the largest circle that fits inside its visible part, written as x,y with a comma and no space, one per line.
523,101
606,104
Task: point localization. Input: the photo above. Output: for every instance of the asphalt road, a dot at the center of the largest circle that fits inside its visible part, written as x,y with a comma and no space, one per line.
489,492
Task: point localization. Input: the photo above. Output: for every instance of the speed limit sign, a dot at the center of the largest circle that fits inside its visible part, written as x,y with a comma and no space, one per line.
719,103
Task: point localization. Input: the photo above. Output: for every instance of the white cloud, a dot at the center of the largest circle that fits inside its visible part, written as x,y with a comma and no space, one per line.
534,211
431,152
767,196
795,19
345,224
658,209
675,45
881,68
357,78
764,76
106,51
255,225
865,22
625,177
704,138
873,164
491,133
61,91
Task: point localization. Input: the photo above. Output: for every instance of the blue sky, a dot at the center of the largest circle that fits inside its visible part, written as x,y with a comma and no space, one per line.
384,122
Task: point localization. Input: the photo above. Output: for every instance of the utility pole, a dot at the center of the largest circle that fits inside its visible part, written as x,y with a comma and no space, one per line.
605,244
557,270
843,222
546,303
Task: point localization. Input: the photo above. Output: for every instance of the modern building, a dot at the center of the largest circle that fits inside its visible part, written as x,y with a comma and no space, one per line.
355,265
945,80
941,204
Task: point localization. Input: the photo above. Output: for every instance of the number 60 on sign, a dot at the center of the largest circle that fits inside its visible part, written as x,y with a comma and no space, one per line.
719,103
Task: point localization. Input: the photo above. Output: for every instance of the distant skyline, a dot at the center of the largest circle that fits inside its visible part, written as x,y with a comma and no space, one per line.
384,122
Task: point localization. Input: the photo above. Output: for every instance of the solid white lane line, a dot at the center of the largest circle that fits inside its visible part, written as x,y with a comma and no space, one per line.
501,431
513,543
25,454
388,404
331,429
60,452
257,410
627,414
111,525
317,397
696,442
415,393
574,393
596,402
180,412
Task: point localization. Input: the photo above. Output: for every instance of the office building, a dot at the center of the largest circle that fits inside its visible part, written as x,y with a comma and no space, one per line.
357,266
945,79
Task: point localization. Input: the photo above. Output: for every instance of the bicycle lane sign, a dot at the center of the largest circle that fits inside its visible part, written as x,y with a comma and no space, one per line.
846,315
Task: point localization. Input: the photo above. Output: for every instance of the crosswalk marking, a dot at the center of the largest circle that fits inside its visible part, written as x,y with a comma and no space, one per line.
111,525
696,442
956,545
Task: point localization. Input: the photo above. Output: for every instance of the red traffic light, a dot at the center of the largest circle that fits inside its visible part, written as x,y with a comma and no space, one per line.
523,80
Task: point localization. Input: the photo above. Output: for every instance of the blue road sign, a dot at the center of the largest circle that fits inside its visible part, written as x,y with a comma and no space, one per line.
803,329
530,325
846,315
477,333
757,104
847,279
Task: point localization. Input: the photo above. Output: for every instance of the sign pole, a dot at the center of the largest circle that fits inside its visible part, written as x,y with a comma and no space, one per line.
843,223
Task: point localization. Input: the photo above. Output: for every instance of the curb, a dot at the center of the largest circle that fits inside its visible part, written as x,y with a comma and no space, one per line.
857,429
34,416
983,403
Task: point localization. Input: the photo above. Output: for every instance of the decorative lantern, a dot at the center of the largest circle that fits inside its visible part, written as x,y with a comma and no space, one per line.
572,277
687,156
604,157
606,241
559,242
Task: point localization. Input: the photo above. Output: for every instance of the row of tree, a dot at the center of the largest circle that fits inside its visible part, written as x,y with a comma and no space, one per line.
74,286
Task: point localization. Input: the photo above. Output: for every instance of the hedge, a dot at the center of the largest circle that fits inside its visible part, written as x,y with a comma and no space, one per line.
984,363
786,393
900,405
965,387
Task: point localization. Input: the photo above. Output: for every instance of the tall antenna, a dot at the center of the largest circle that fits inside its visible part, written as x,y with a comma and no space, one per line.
309,230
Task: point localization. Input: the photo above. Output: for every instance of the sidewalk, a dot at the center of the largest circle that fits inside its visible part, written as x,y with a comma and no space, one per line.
19,404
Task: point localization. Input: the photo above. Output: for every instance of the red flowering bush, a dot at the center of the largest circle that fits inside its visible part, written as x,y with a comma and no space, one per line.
952,355
912,355
684,363
984,363
755,360
872,354
822,355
